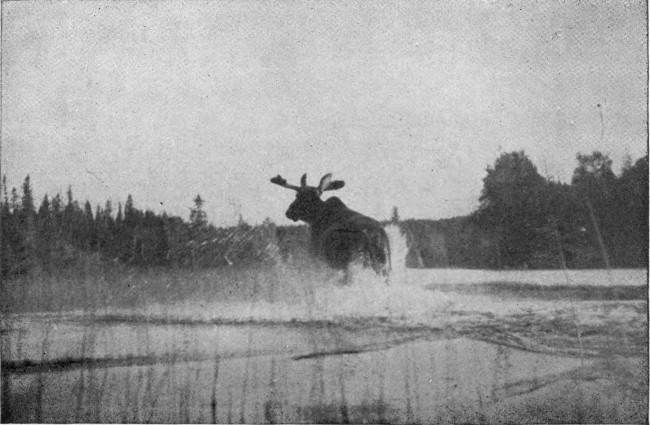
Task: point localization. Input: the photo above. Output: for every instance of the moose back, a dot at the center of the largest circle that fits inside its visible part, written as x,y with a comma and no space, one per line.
339,235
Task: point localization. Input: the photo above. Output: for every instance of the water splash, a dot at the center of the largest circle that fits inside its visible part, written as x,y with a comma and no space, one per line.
399,252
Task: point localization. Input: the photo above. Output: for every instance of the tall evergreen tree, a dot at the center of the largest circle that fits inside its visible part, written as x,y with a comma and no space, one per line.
28,198
198,217
89,237
57,214
27,218
120,217
44,209
14,203
45,232
67,217
130,213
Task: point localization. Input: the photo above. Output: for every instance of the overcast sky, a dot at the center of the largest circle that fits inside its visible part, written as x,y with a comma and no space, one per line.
408,102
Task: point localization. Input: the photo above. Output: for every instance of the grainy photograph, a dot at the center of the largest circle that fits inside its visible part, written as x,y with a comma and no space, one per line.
246,211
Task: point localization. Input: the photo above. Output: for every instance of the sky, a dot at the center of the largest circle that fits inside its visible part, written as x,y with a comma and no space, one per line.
408,102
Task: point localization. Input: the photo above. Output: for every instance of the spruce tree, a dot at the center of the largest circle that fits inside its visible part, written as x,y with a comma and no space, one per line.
28,199
27,220
45,232
14,204
57,214
120,217
89,238
198,217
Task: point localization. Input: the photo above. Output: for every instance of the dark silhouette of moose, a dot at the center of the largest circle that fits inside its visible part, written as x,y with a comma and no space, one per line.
340,236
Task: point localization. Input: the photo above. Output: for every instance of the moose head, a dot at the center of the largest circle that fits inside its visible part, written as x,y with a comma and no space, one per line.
307,205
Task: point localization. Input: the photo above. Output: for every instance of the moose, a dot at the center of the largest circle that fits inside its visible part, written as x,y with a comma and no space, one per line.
339,235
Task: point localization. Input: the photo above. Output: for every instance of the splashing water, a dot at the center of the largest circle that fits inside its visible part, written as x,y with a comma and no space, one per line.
300,292
305,293
398,253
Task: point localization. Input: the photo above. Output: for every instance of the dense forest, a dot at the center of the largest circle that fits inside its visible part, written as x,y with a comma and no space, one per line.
524,220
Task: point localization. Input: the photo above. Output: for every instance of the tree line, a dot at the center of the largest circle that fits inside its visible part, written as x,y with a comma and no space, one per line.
63,233
524,220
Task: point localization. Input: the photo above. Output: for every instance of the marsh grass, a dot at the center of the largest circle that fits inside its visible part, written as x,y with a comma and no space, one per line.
95,286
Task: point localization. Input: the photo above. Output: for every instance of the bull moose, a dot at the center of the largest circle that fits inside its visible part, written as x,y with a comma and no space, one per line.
339,235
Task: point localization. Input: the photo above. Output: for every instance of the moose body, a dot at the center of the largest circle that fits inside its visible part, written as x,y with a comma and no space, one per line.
340,235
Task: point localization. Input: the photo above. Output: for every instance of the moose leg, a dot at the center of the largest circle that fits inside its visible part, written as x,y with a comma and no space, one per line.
377,260
385,274
358,262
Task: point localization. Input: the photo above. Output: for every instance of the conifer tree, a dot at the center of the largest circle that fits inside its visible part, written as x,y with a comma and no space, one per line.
27,219
130,213
89,237
198,217
14,204
45,232
120,217
57,214
28,199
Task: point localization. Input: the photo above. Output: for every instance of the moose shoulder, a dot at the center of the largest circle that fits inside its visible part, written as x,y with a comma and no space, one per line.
339,235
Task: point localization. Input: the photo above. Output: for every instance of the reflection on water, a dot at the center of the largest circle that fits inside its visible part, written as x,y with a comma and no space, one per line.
274,374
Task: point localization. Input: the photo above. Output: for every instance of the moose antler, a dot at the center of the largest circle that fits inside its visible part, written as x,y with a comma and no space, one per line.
282,182
325,184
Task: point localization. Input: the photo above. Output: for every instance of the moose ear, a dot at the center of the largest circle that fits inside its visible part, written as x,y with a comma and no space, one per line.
303,180
335,184
326,183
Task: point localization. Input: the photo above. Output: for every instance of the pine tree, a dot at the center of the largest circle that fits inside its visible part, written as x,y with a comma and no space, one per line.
108,211
57,214
28,199
27,220
198,217
89,234
120,217
67,217
45,232
44,209
130,213
14,204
